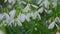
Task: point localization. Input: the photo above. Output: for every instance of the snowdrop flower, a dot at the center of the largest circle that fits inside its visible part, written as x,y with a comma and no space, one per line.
39,2
1,32
57,33
23,2
11,22
57,19
34,6
39,16
51,26
34,15
10,17
12,13
9,6
5,1
40,10
28,17
11,1
26,9
7,17
54,2
48,11
1,16
21,17
57,26
46,4
19,23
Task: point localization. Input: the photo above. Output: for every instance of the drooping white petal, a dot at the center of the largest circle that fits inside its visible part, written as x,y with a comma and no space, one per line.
19,23
12,13
22,17
48,11
39,16
54,3
23,2
26,9
57,19
41,4
34,6
7,17
11,22
9,6
40,10
46,4
57,26
51,26
1,16
11,1
39,1
33,15
28,17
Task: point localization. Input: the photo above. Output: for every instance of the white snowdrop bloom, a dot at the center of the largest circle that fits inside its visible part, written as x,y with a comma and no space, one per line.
57,19
40,10
10,23
1,16
51,26
5,1
57,33
7,18
23,2
34,6
39,1
11,1
10,17
54,2
26,9
46,4
41,4
9,6
12,13
48,11
22,17
39,16
57,26
19,22
28,17
34,15
1,32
